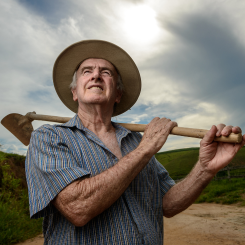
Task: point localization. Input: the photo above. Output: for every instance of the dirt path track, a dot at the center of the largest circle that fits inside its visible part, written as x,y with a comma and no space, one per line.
206,224
202,224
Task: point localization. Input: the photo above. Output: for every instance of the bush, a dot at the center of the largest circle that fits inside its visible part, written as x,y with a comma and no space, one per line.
15,222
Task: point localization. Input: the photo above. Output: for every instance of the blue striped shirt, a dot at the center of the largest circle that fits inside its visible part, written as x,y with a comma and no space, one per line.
59,154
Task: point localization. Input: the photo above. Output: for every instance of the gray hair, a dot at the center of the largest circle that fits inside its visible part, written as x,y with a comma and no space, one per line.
73,84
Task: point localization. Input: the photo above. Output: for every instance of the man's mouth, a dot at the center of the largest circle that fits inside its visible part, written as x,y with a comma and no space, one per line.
96,87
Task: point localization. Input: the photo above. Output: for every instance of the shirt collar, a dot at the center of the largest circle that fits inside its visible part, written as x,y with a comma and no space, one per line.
121,132
76,122
120,129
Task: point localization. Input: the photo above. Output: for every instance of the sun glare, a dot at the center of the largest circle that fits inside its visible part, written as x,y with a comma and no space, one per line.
140,24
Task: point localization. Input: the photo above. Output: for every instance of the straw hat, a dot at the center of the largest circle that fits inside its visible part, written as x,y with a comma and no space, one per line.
67,63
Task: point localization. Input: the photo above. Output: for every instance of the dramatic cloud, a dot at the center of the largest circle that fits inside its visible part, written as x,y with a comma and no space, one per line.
190,55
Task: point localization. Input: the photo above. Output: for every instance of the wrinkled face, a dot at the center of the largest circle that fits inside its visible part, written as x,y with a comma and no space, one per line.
96,83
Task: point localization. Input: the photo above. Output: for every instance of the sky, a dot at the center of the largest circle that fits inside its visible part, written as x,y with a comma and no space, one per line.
190,54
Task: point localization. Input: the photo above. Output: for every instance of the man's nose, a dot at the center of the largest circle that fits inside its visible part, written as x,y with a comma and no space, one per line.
96,75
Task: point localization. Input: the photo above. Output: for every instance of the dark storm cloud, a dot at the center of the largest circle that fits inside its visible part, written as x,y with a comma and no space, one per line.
52,11
87,14
207,60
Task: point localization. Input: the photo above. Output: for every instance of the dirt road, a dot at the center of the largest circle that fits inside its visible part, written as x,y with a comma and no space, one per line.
206,224
201,224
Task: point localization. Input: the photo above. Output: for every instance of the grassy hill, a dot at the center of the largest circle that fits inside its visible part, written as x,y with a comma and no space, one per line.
180,162
15,222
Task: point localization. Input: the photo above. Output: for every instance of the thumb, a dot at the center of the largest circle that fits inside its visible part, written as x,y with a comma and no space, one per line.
210,135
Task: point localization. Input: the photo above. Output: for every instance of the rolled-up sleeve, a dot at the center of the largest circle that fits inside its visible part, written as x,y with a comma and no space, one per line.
50,167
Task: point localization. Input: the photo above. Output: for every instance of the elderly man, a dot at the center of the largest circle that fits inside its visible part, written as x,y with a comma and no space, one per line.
92,180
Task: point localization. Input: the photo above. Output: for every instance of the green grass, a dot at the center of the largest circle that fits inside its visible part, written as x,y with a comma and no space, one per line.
15,222
239,159
224,192
2,156
180,162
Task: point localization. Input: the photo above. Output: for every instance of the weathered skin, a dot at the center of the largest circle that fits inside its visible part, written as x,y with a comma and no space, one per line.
84,199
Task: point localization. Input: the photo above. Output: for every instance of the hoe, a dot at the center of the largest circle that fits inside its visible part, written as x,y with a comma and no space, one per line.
20,126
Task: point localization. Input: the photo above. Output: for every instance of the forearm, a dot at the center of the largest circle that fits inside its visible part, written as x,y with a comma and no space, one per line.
213,156
183,194
83,200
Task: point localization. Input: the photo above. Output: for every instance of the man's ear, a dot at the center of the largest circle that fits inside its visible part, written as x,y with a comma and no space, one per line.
119,96
74,93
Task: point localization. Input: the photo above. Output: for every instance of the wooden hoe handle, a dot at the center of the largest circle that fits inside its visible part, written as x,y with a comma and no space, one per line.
188,132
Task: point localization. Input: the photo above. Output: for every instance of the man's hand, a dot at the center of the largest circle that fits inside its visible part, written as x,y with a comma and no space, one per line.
214,156
156,134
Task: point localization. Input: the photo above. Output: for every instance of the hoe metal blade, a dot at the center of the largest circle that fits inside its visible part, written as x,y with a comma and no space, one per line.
20,126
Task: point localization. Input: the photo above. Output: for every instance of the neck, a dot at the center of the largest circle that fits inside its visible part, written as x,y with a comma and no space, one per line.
96,119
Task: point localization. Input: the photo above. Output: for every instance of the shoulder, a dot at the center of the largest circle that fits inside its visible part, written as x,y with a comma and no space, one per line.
50,133
45,130
57,135
46,127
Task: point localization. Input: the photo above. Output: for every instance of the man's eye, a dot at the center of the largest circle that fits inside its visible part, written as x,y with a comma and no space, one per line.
86,71
106,73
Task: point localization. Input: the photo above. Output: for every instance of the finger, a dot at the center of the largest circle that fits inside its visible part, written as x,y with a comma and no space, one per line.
155,124
160,126
219,128
170,125
164,120
243,140
236,130
153,121
209,136
226,130
239,146
175,123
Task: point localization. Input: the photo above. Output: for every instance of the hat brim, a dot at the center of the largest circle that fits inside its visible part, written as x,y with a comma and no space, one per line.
68,61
